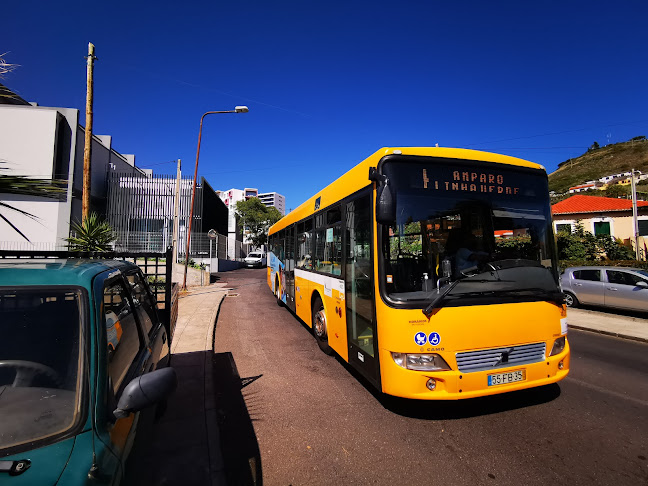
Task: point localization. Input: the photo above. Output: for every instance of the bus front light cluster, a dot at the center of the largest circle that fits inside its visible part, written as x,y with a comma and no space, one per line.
420,362
558,346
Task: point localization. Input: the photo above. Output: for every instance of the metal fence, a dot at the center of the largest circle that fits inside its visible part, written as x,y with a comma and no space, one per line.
223,247
32,246
137,242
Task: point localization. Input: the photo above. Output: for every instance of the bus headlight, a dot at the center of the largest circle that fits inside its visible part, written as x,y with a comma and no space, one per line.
558,346
420,362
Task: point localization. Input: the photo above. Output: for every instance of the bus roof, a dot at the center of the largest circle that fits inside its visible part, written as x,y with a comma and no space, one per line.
357,178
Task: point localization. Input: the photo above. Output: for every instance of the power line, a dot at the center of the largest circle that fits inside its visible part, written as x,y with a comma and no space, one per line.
558,133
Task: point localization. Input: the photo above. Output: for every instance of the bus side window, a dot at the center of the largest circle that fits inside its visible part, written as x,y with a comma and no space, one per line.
304,245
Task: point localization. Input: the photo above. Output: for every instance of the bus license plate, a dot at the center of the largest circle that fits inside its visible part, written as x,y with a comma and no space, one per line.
504,378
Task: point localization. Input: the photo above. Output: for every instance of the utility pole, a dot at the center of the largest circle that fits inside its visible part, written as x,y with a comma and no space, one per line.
635,223
176,213
87,150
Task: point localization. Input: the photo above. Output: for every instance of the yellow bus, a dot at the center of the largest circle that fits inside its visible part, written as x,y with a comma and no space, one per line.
432,271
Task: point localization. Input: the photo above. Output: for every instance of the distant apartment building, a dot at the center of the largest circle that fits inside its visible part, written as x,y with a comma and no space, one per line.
623,179
274,199
232,196
588,186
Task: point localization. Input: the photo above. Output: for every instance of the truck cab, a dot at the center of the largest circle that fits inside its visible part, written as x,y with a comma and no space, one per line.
84,357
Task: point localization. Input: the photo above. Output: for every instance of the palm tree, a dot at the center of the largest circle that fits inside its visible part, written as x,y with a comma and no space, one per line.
23,185
5,67
93,234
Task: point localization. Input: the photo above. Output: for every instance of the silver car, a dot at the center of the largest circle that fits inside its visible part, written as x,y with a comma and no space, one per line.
618,287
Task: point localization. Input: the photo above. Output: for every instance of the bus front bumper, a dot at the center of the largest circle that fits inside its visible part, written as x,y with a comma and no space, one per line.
455,385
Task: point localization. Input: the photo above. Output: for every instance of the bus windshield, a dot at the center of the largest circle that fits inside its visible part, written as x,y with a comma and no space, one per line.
483,229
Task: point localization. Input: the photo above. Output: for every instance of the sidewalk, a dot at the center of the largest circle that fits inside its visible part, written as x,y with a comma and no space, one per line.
627,327
185,446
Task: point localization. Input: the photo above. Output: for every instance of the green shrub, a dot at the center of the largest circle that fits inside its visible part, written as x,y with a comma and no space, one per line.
562,264
583,245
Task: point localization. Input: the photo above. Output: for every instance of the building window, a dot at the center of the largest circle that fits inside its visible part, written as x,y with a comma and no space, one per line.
643,227
566,228
602,228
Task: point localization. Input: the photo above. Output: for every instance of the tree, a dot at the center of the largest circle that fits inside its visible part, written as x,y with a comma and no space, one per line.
93,234
256,218
583,245
5,67
617,190
614,248
25,186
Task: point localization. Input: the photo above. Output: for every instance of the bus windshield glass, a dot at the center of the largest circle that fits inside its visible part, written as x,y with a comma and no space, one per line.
482,228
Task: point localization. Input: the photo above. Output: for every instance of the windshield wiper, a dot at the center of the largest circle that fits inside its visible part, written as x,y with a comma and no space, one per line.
536,294
441,295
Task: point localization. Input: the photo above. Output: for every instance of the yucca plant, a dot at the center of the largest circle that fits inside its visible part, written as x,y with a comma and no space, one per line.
93,234
23,185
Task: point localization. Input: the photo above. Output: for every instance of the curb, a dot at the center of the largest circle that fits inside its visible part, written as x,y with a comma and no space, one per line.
216,460
609,333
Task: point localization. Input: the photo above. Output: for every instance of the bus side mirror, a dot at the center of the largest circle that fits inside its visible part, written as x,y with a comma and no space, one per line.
385,198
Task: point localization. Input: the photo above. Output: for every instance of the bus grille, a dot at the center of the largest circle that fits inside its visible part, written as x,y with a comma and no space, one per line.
490,359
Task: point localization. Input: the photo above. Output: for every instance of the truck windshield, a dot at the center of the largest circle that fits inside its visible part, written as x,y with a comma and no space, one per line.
486,226
39,363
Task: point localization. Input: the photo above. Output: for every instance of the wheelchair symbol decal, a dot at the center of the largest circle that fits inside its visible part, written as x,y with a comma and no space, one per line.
434,339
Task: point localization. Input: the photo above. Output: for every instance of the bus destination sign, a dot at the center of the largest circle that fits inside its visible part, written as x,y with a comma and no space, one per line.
471,181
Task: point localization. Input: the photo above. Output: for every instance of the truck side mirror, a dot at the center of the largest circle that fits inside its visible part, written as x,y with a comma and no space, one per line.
385,198
146,390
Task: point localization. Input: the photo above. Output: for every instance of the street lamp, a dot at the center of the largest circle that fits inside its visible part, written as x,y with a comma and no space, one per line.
238,109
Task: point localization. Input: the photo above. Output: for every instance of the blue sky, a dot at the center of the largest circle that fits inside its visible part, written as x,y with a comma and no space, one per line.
329,83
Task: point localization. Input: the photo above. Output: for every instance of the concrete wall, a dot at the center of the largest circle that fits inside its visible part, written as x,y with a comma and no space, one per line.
47,142
36,142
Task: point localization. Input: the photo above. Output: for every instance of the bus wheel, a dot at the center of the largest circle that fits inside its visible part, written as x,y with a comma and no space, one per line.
278,294
320,330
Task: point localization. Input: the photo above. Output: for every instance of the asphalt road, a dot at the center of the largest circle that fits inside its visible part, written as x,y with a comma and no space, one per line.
314,422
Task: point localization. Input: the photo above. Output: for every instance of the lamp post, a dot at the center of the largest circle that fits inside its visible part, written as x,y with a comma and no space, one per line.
238,109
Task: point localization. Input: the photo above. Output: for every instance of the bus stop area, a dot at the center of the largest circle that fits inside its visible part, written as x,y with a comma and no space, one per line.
205,435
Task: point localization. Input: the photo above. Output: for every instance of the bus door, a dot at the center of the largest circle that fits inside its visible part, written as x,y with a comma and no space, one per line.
361,321
290,268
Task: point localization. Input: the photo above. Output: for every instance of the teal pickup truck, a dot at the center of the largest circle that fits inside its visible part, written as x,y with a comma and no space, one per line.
84,357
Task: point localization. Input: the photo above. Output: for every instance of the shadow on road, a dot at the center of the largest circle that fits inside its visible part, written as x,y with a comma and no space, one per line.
205,435
239,446
458,409
455,409
472,407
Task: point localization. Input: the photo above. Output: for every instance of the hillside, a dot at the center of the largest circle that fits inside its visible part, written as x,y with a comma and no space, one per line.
594,164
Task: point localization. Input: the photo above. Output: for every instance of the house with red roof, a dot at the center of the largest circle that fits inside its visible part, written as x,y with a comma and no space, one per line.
601,215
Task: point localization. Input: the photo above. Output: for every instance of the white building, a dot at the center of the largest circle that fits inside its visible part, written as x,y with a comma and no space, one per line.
274,199
232,196
47,143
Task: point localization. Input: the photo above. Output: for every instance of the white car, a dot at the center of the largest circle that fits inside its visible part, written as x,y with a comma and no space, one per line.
256,259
